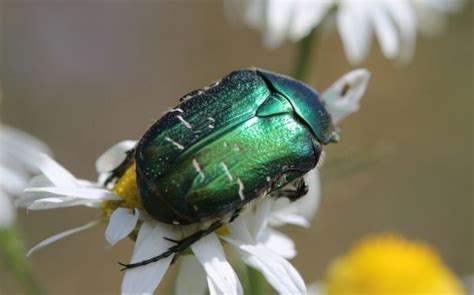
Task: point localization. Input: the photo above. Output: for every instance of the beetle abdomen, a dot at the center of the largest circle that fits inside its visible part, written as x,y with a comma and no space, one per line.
232,170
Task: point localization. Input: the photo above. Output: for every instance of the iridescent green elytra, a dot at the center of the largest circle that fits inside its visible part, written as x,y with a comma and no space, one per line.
223,146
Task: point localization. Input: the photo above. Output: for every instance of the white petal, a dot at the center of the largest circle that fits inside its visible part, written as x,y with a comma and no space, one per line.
25,199
343,97
307,205
191,277
20,149
114,156
56,173
278,243
7,212
355,30
239,231
121,223
279,14
210,254
301,211
80,193
446,6
468,282
50,203
282,218
18,139
39,181
213,289
258,220
431,22
150,243
385,31
254,12
12,181
307,15
60,236
316,289
277,271
45,200
404,17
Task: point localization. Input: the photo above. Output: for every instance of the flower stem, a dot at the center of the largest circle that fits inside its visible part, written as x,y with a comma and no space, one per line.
11,247
304,56
256,281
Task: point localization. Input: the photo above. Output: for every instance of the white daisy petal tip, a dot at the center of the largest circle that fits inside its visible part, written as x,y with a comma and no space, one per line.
61,236
279,243
55,173
394,23
344,96
150,243
121,223
210,254
275,268
58,197
111,158
279,273
315,288
46,203
191,278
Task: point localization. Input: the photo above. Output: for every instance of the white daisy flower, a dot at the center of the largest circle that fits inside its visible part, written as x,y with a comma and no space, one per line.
61,189
18,153
58,188
394,23
250,235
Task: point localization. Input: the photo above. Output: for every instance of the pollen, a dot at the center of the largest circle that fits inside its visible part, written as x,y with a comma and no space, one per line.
389,264
126,188
223,231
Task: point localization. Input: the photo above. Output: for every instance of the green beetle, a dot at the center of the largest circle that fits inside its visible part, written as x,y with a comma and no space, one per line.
249,135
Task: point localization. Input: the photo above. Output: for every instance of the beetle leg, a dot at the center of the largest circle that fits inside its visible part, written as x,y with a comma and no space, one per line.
301,189
296,190
235,214
178,248
120,169
232,218
171,240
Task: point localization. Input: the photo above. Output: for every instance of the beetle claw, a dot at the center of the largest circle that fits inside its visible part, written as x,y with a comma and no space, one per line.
125,266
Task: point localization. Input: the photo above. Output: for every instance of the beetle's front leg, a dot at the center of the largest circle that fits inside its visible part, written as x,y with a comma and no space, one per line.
180,246
294,190
235,214
119,171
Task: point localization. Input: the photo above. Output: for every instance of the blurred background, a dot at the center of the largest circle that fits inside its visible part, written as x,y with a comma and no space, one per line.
83,76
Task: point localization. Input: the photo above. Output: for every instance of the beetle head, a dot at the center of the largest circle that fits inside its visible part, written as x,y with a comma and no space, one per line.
306,103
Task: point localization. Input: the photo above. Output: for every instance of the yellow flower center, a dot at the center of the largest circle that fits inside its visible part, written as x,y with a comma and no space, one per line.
223,231
391,265
126,189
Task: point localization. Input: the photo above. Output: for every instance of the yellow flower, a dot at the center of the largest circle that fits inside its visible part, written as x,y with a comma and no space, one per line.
125,188
392,265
